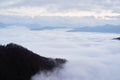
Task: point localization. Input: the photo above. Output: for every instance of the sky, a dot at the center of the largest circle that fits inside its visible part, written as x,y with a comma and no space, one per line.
91,56
60,13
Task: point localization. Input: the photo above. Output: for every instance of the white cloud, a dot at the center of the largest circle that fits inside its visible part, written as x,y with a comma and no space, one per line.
104,11
67,4
41,11
91,56
7,3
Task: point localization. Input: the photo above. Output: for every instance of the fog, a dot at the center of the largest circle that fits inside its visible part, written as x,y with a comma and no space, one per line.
91,56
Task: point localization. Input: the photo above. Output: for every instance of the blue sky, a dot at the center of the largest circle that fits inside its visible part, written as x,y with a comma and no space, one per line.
60,13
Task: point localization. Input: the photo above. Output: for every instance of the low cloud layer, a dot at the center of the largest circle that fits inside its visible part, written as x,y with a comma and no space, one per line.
91,56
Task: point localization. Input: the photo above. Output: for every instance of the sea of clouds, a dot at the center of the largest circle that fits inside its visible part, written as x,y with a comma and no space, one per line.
91,56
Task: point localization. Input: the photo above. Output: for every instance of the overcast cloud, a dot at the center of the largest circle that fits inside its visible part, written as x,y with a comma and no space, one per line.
106,10
113,5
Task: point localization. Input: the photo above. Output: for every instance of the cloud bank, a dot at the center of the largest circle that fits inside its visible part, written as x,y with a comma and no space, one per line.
91,56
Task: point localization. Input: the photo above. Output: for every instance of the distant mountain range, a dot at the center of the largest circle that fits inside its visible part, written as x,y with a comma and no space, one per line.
104,28
31,26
